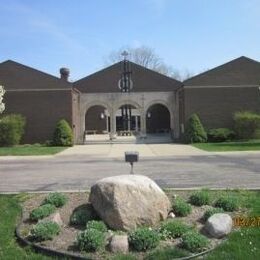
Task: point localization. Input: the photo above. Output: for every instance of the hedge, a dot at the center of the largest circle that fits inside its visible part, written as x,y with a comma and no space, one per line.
11,129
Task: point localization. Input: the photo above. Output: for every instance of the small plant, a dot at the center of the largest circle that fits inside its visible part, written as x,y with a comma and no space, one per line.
208,213
195,132
227,203
194,242
57,199
63,135
200,198
181,208
45,230
82,215
97,224
42,212
143,239
91,240
172,229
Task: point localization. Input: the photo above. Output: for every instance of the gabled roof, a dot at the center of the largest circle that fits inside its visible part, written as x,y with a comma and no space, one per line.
16,76
144,80
241,71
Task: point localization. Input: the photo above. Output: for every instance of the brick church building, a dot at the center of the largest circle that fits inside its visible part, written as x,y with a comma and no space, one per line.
158,104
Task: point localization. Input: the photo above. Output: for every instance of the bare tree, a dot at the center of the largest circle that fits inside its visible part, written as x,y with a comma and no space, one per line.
148,58
2,105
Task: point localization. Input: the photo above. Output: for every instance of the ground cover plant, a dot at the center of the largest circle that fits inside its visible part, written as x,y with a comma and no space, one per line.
181,208
194,241
242,243
42,212
173,229
227,203
56,199
143,239
45,230
200,198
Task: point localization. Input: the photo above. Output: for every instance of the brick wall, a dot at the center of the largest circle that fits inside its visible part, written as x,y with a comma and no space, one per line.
42,110
216,105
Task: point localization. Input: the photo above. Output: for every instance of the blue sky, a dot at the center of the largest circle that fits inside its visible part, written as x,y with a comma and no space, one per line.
80,34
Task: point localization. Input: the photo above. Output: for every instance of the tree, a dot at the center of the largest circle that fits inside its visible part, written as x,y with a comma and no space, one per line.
148,58
2,105
63,135
195,132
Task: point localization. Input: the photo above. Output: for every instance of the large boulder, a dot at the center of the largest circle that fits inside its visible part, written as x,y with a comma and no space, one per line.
127,201
219,225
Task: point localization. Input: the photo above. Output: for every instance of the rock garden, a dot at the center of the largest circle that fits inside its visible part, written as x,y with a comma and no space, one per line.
128,217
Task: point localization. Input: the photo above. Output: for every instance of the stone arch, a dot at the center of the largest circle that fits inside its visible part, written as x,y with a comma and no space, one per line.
97,103
127,102
133,123
158,117
96,118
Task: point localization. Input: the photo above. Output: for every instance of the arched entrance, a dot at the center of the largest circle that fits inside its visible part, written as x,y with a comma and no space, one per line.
128,120
158,119
97,120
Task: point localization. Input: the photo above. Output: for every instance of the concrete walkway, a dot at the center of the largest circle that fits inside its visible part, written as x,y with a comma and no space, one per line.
145,150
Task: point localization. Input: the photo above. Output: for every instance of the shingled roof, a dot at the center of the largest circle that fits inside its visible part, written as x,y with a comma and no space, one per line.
241,71
144,80
16,76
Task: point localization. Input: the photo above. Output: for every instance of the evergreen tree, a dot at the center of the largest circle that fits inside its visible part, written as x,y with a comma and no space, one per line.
195,132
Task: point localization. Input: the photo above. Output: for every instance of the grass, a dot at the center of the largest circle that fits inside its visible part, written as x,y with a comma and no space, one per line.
30,150
9,249
244,243
241,244
252,145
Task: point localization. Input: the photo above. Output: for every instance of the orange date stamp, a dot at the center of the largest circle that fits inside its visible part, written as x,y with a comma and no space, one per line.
246,221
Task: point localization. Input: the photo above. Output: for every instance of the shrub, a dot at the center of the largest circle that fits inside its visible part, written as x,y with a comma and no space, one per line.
57,199
195,132
247,124
220,135
45,230
90,240
42,212
82,215
63,135
194,242
143,239
200,198
11,129
181,208
172,229
98,225
208,213
227,203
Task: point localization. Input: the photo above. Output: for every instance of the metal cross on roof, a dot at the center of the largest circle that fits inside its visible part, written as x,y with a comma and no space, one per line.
125,54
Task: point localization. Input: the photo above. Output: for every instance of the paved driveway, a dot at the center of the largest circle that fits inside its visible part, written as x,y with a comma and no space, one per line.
78,170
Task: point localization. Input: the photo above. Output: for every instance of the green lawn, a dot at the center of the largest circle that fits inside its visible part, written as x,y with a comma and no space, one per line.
252,145
9,213
242,244
30,150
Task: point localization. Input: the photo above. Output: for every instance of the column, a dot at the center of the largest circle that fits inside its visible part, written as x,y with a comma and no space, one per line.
143,124
112,134
136,123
